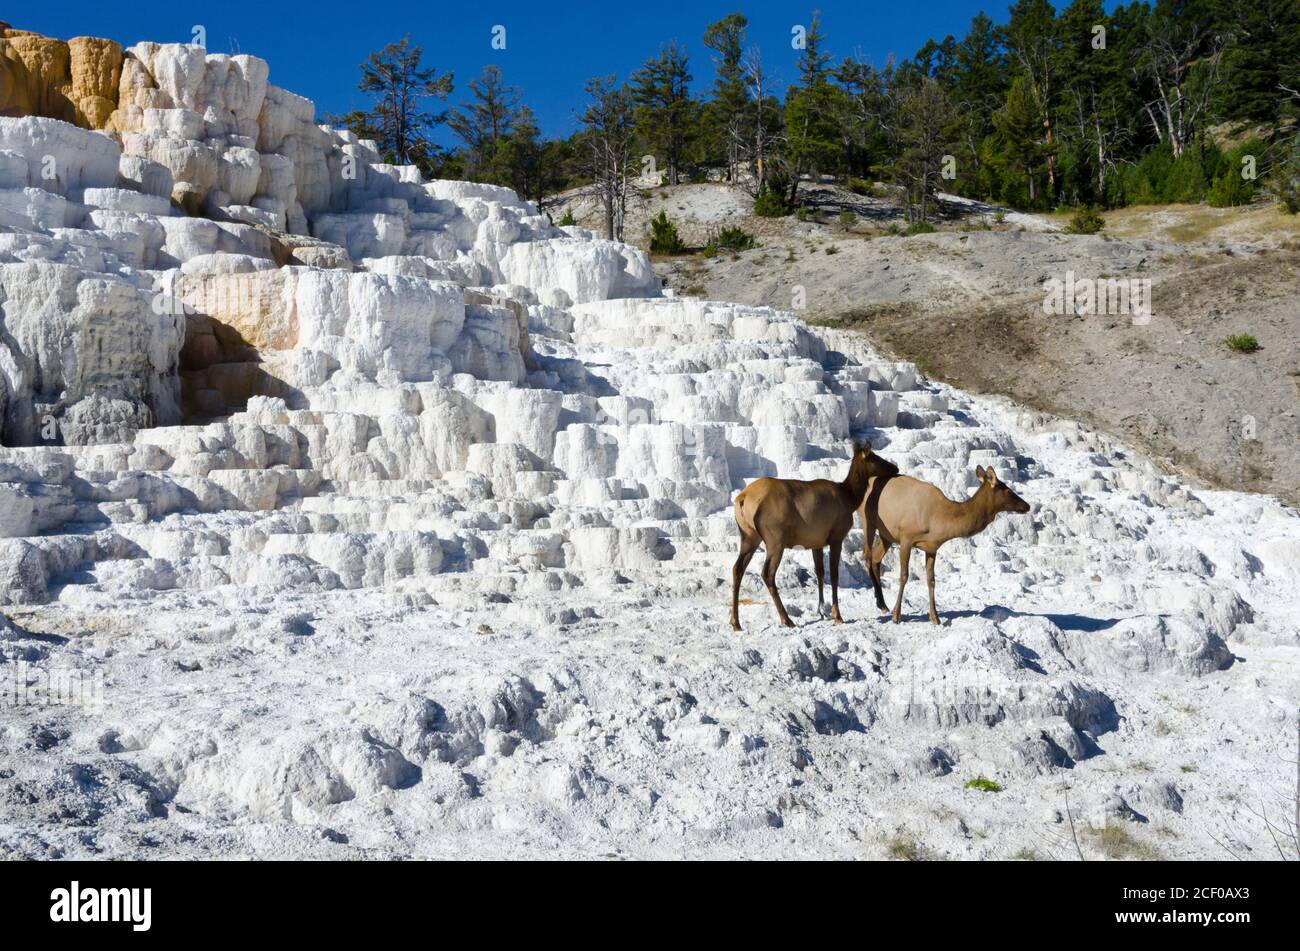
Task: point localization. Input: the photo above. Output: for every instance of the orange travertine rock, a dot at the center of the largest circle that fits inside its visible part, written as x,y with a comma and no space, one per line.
75,81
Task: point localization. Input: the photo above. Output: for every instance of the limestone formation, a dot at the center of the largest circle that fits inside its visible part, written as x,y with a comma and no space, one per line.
75,81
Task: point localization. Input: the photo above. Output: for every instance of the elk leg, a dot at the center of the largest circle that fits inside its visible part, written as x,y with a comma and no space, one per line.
904,557
875,558
770,564
835,581
929,579
820,568
747,548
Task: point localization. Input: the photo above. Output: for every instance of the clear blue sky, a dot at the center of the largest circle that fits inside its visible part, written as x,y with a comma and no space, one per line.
315,48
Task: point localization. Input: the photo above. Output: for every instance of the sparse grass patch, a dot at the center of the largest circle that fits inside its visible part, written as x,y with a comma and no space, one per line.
904,847
1242,343
1162,728
1187,768
832,249
1135,344
1025,855
1116,842
920,227
983,784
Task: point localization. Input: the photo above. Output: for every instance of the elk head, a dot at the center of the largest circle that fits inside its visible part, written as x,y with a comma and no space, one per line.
1003,499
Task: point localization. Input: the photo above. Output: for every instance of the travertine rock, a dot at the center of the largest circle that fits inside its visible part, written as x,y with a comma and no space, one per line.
70,336
75,82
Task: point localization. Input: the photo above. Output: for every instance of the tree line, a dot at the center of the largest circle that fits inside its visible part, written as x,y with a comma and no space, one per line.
1164,101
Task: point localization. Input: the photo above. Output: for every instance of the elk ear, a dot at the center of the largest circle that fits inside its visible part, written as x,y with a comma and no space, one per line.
979,473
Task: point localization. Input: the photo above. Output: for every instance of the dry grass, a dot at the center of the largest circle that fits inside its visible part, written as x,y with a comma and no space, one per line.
905,847
1116,842
1201,224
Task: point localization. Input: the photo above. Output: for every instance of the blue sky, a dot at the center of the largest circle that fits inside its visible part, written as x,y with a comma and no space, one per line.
551,48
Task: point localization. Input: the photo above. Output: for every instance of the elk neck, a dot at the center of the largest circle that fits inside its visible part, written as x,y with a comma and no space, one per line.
973,515
855,483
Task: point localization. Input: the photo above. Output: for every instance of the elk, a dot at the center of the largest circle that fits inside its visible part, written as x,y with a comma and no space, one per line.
911,514
790,513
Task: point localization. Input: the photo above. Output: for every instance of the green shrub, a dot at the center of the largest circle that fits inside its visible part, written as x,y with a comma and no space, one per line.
860,186
983,785
769,203
664,238
1287,192
1284,179
999,216
1230,187
1242,343
807,213
567,220
1087,220
920,227
731,239
848,219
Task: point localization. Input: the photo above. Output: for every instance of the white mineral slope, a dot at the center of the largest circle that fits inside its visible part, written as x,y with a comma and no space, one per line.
1125,657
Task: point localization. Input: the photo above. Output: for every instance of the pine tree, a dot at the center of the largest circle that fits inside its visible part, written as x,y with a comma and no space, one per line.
923,132
728,110
1018,137
980,80
485,122
397,120
1263,59
607,144
866,107
1032,41
661,91
978,88
1097,101
1181,54
812,113
766,117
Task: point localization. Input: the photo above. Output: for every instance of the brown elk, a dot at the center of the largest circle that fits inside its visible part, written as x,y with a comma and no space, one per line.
789,513
911,514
